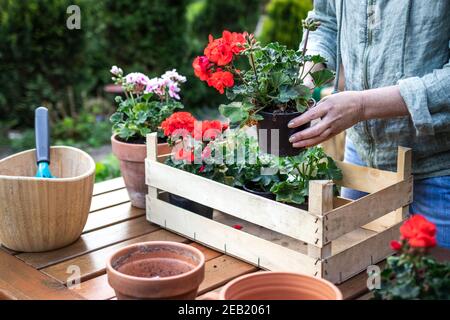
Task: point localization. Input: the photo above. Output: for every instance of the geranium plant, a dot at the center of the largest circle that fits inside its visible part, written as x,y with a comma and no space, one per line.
192,144
147,103
274,81
413,273
208,149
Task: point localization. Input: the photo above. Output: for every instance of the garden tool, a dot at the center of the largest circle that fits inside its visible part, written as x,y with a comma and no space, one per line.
42,132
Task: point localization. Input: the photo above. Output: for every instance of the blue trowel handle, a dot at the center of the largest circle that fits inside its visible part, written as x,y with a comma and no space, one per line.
42,132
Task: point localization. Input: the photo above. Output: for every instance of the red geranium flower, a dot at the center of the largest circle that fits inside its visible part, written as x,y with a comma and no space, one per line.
395,245
235,40
184,155
221,80
179,123
202,67
219,51
419,232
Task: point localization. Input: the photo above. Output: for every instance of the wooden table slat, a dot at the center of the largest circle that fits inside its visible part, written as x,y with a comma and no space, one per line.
108,186
27,283
90,242
110,199
110,216
93,264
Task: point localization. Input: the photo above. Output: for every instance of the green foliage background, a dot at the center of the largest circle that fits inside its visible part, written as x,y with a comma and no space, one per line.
44,63
283,22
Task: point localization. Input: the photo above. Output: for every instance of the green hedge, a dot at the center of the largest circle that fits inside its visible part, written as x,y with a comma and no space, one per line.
43,62
283,21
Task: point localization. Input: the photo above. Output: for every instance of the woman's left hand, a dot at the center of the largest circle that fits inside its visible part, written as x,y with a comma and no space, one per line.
337,113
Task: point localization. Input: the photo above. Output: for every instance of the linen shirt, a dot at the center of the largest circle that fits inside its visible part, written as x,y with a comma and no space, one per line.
390,42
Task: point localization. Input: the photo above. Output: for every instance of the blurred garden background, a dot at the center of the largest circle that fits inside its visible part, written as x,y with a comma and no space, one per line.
42,62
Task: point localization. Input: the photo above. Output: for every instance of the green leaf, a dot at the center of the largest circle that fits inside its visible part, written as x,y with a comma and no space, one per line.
287,94
322,77
237,112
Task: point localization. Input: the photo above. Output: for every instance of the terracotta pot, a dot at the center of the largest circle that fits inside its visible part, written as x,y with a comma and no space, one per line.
156,271
277,286
37,214
132,166
5,295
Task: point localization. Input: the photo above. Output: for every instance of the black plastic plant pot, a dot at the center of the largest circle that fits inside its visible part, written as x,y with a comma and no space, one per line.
274,134
264,194
190,205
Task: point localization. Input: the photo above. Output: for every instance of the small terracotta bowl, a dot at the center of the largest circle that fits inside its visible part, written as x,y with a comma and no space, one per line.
277,286
156,271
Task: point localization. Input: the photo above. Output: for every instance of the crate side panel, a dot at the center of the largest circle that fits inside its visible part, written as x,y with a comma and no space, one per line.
242,245
288,220
365,210
357,258
365,179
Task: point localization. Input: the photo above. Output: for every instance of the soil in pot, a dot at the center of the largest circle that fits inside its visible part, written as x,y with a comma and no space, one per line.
274,133
156,270
253,189
190,205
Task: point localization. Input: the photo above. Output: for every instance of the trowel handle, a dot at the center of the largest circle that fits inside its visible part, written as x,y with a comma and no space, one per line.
42,132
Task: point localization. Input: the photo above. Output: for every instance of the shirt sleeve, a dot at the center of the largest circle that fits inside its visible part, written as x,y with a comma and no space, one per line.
428,100
323,40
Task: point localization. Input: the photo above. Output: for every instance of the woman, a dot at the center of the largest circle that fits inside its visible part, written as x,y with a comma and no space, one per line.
395,55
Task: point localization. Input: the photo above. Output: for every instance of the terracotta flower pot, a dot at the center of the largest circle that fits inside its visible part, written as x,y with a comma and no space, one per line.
132,166
5,295
277,286
156,271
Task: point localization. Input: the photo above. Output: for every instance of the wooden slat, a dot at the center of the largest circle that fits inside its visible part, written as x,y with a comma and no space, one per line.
110,199
99,289
96,289
94,264
110,216
108,186
291,221
369,208
221,270
365,179
355,259
248,247
25,281
90,242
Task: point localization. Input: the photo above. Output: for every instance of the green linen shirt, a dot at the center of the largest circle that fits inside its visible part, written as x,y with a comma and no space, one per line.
384,43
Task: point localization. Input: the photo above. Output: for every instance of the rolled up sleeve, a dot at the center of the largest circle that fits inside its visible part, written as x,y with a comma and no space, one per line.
323,40
428,101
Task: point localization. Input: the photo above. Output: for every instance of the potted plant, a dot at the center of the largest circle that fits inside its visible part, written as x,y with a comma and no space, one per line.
191,141
413,274
233,157
271,92
146,104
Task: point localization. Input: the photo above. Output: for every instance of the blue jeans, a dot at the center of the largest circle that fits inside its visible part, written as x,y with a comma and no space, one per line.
431,198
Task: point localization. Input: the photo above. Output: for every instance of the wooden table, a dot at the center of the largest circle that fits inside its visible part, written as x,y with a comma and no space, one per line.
112,224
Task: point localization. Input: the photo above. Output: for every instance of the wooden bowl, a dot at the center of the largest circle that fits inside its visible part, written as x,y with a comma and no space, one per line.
39,215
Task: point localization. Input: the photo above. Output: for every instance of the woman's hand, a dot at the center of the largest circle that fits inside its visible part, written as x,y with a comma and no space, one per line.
336,113
341,111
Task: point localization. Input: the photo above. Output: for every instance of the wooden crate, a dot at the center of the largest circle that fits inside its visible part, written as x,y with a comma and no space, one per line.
336,239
